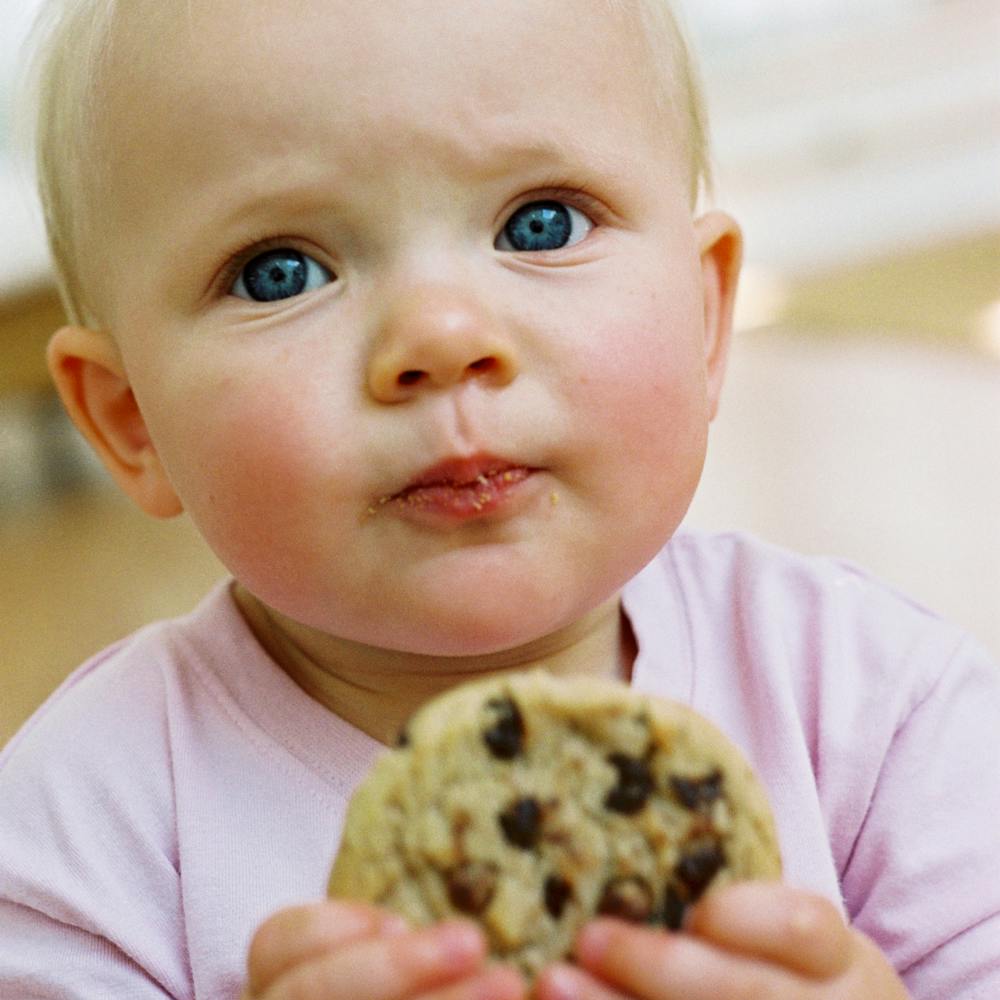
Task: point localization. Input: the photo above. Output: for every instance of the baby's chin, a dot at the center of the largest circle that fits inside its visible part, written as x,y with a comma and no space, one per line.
585,642
496,634
498,637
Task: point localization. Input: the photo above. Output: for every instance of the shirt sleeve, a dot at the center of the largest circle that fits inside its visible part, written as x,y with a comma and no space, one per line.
46,959
922,878
90,902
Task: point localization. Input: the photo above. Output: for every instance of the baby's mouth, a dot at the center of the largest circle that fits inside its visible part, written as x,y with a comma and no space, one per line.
460,488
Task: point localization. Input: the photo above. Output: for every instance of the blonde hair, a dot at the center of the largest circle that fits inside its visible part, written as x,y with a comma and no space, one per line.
71,44
677,85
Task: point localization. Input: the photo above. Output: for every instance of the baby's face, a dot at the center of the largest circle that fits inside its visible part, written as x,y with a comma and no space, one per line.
411,301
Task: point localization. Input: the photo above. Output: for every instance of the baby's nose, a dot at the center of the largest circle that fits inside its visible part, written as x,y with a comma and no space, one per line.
435,339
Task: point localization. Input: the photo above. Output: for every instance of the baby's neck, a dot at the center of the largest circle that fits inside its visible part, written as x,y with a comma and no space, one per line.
377,690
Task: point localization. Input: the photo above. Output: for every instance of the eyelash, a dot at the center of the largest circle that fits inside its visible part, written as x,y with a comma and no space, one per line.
578,197
235,262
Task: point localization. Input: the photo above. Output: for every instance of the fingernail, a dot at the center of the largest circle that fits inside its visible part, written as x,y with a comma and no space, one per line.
394,925
805,919
560,984
593,942
500,981
459,941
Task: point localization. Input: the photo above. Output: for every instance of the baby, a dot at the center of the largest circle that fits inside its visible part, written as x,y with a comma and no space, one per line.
408,305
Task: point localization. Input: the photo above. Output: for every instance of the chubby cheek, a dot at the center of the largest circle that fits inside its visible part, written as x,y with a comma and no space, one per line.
640,394
253,466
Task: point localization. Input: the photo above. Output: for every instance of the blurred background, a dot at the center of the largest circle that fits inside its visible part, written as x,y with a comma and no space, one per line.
858,142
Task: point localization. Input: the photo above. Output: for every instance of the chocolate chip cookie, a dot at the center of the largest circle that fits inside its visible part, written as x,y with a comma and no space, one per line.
531,804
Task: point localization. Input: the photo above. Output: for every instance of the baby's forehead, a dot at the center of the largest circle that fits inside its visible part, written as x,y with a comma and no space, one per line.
476,54
473,58
167,37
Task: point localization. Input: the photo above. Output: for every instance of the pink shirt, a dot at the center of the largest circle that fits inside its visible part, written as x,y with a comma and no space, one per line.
179,788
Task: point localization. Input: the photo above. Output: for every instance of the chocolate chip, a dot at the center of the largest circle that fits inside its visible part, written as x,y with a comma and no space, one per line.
471,886
403,739
674,909
629,898
505,737
558,892
522,823
635,784
697,793
698,866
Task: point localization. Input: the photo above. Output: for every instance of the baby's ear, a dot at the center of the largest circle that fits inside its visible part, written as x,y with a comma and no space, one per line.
720,244
94,388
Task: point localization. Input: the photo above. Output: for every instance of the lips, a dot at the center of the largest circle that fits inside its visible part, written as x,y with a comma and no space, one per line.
461,488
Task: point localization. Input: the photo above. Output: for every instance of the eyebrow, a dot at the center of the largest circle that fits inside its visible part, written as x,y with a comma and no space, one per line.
567,155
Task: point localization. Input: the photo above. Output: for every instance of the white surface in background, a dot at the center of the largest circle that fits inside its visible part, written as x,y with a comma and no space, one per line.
24,258
16,17
883,452
877,135
734,19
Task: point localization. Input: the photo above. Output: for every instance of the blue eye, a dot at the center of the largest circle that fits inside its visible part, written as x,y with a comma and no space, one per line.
543,225
279,274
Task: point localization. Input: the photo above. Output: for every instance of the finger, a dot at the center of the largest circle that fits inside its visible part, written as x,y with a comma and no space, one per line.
388,967
871,974
566,982
776,923
649,963
496,983
295,935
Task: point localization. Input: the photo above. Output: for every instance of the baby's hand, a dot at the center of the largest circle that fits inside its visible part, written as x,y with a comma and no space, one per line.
338,950
755,941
